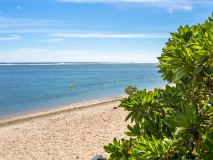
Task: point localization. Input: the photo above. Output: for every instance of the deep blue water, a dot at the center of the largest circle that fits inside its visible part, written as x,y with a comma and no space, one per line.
30,87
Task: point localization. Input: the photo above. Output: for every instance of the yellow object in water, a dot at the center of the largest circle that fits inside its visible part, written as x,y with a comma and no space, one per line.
71,86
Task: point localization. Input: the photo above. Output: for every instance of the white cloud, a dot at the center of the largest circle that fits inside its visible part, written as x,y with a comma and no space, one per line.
37,51
13,37
157,35
46,55
170,5
19,25
43,51
187,8
26,31
110,1
40,55
53,40
19,22
135,1
179,7
18,7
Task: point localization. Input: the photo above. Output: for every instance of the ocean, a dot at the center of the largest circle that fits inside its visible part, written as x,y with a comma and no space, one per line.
33,87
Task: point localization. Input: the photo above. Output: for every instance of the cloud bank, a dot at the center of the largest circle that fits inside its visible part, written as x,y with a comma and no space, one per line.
170,5
13,37
113,35
53,40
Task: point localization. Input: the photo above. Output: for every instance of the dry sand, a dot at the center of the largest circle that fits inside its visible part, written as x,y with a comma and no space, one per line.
66,134
76,132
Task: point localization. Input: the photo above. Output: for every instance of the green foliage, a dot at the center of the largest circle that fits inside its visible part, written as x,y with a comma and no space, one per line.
130,90
120,150
177,122
152,148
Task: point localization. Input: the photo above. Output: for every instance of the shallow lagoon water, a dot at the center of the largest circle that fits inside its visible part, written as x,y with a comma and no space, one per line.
30,87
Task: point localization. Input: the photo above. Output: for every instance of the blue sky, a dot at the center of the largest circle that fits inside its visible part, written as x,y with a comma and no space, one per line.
93,30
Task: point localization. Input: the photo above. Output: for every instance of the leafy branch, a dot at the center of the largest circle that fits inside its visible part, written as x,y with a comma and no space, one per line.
175,123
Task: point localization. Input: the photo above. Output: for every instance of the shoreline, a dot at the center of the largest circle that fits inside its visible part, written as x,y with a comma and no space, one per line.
79,106
78,132
75,132
52,112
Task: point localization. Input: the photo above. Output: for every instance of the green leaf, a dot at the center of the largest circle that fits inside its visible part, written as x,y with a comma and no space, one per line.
181,30
190,45
130,134
155,142
134,131
164,58
197,70
208,70
202,60
179,73
196,47
189,112
209,141
186,28
169,121
187,35
129,115
107,149
150,126
149,156
183,121
201,53
209,137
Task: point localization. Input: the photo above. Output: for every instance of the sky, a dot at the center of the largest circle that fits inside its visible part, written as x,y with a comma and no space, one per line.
93,30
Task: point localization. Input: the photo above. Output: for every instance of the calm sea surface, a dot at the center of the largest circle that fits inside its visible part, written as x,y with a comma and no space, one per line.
32,87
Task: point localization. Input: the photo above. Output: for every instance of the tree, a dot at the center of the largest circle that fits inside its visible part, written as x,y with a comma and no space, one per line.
175,123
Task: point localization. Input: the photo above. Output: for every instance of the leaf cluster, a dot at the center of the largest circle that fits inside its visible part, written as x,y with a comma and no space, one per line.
177,122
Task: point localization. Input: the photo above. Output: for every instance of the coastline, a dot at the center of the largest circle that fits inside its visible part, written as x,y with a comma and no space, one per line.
27,117
78,106
76,132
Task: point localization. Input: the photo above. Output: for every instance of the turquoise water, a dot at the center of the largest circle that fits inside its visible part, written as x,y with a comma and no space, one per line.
32,87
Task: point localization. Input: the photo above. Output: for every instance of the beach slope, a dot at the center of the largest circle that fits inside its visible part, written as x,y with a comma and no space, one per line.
78,132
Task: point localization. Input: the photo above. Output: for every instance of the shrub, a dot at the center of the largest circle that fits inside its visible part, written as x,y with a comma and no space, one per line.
130,90
177,122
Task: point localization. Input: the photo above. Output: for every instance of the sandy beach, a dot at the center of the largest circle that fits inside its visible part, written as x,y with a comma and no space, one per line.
76,132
